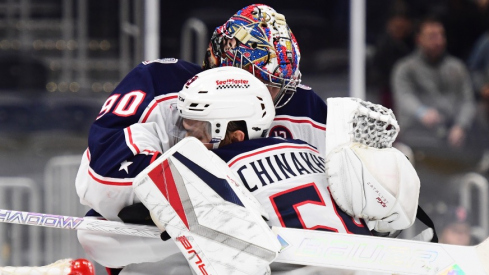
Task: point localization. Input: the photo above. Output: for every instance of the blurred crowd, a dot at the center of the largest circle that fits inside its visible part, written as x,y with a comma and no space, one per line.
431,66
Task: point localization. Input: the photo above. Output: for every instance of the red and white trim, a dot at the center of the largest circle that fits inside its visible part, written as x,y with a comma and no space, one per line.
271,148
301,120
87,152
130,141
152,105
109,181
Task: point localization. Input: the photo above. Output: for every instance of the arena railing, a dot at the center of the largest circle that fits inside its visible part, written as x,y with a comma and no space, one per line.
20,244
468,182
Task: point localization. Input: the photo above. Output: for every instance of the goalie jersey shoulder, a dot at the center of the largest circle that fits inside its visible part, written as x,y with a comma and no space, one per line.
167,75
305,103
147,85
147,81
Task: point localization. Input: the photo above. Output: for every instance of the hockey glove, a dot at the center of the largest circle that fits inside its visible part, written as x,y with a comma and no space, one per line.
367,177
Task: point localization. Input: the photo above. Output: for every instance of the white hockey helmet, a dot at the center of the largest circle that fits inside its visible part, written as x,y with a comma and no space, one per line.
224,94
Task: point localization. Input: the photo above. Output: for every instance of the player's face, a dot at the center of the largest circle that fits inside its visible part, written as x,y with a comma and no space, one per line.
229,44
199,130
273,91
432,39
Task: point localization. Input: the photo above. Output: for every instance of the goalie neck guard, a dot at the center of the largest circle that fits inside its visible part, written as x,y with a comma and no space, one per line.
221,95
258,39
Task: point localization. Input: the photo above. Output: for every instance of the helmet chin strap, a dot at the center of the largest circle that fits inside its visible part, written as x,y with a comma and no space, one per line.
215,145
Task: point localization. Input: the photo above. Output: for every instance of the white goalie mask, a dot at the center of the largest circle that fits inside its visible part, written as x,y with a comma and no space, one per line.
221,95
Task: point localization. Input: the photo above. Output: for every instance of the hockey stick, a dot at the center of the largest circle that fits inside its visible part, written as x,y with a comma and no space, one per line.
77,223
388,255
312,247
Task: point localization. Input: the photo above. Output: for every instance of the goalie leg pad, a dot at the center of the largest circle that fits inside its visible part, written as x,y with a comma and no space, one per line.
374,184
195,197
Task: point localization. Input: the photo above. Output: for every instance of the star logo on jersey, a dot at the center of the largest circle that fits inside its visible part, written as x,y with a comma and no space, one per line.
125,166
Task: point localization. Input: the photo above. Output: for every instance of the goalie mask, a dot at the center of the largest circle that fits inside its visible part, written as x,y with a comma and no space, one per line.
258,40
218,96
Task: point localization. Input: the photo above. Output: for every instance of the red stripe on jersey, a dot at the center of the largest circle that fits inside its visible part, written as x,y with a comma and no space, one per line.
296,207
162,176
155,156
300,121
357,223
156,104
129,135
322,203
339,217
123,183
271,149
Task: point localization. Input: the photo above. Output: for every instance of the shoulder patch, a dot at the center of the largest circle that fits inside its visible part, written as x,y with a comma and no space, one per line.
162,60
304,87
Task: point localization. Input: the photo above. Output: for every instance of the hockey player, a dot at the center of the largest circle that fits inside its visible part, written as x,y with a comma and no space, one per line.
258,39
133,126
217,216
288,177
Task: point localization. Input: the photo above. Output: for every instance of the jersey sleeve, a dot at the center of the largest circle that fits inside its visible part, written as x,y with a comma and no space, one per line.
132,129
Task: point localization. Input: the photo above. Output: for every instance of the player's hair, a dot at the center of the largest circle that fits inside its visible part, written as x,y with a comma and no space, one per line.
239,125
429,19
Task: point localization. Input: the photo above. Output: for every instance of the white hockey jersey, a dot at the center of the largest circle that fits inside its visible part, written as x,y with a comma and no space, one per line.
135,123
304,118
288,178
133,128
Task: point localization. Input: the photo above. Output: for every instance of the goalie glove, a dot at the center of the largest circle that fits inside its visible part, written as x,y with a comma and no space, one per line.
367,177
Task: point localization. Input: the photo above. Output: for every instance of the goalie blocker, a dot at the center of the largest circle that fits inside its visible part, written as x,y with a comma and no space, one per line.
216,223
368,178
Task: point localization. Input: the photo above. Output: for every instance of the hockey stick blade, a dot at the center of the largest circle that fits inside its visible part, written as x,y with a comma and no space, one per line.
387,255
312,247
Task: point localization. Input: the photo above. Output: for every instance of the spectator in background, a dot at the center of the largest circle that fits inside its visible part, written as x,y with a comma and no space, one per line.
432,89
395,43
479,68
455,227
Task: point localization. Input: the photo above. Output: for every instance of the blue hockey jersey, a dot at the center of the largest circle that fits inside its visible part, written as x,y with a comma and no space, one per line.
136,122
304,118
